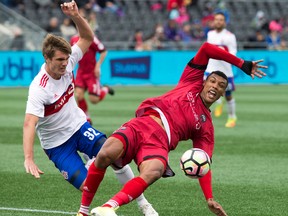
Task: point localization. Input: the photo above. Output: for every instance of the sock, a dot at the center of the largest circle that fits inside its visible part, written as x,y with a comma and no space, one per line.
231,105
103,93
219,101
83,105
131,190
84,210
124,175
92,182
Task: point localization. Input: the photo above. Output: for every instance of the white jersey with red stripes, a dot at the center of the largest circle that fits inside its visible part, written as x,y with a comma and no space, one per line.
226,40
54,103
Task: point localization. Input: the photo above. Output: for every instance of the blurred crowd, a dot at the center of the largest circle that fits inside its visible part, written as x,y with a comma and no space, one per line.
178,27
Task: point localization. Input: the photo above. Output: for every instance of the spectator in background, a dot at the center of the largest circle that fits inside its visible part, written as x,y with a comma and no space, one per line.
18,41
275,25
171,30
67,29
186,33
137,40
53,26
155,41
197,31
183,16
260,22
92,20
258,41
273,40
171,4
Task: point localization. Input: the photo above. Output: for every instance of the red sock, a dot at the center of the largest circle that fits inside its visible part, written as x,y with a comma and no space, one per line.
131,190
93,180
83,105
103,92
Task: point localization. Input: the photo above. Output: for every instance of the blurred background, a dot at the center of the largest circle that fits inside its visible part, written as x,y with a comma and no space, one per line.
147,24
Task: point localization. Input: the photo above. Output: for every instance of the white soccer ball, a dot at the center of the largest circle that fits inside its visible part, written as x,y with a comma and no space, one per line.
195,163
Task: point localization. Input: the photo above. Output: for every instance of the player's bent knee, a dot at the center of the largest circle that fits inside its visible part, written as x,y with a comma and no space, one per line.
103,160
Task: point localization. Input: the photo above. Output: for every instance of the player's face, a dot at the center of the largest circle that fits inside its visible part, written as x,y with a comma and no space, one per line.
214,88
56,66
219,22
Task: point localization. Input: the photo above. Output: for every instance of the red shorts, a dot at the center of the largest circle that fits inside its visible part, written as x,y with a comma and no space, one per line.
88,82
143,139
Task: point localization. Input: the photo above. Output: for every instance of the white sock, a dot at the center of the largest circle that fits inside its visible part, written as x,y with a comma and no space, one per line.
231,105
124,175
84,209
86,157
219,101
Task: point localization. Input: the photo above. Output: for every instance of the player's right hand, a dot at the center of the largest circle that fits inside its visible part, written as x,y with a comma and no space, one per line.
216,208
32,168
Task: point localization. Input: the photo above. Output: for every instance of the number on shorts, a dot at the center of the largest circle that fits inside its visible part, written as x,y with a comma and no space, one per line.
91,133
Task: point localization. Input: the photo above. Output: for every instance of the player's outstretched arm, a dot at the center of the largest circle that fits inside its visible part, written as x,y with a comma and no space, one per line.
215,207
207,51
86,34
28,144
252,68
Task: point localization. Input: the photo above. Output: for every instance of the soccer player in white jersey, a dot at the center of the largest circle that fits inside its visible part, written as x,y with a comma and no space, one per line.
53,112
226,40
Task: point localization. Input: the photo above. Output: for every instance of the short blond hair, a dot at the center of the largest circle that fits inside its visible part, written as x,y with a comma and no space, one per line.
52,43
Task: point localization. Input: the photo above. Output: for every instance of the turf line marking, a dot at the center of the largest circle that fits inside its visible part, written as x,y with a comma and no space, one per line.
38,210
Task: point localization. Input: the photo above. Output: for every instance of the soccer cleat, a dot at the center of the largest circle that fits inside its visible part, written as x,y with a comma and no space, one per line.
110,90
231,122
148,210
103,211
218,110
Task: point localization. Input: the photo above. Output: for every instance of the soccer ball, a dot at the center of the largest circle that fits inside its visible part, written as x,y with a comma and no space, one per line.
195,163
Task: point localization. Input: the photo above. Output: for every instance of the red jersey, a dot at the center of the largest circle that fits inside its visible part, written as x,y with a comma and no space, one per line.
187,116
88,62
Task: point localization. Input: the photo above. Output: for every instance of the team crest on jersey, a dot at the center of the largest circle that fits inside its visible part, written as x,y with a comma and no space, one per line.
64,174
203,118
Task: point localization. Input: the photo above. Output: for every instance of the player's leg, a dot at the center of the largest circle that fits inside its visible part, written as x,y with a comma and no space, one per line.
97,92
218,107
231,104
150,171
151,161
123,175
69,162
111,150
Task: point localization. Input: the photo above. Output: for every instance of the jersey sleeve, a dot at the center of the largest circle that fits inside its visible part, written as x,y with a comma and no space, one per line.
232,44
206,185
74,58
98,45
193,73
35,104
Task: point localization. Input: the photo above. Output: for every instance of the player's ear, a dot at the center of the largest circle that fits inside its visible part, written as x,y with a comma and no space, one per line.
204,82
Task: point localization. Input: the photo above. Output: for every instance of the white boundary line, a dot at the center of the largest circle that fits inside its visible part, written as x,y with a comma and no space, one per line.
38,210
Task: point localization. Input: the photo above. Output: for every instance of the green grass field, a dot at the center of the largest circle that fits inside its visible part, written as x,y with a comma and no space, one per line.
249,163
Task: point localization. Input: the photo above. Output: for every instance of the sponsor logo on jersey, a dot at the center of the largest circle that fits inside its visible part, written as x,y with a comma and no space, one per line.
191,100
57,105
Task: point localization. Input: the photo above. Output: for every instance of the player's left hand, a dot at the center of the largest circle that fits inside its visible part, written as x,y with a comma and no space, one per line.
70,8
216,208
255,69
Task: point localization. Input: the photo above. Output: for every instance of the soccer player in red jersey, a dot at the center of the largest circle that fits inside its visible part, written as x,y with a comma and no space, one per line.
88,75
161,122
